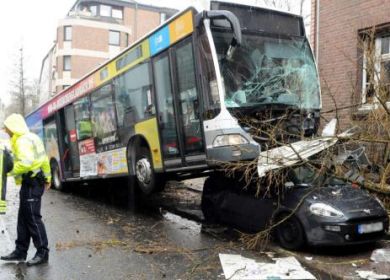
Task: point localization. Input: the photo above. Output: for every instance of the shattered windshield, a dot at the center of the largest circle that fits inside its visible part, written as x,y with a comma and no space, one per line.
267,70
310,176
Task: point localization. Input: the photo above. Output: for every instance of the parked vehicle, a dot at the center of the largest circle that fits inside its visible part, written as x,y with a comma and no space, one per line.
307,208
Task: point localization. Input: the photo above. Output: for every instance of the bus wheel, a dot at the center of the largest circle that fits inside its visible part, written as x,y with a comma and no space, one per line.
55,177
144,172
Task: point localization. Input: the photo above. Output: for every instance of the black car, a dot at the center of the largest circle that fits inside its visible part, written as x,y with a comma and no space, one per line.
307,208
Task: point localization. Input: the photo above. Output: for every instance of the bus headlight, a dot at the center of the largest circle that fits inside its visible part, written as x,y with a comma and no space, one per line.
229,140
325,210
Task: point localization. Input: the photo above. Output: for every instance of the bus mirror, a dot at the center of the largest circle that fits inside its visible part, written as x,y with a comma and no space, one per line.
234,24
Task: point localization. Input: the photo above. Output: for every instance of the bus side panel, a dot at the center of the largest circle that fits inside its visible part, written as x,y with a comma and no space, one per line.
149,130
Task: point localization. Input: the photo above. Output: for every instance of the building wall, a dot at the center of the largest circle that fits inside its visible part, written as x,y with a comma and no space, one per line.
90,47
340,52
141,21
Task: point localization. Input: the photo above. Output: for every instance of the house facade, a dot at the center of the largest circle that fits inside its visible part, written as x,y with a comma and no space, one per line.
91,33
350,39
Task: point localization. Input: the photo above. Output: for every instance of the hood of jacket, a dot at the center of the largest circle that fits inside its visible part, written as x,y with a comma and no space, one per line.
16,124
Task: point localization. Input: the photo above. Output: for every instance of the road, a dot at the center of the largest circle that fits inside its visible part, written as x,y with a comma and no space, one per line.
93,236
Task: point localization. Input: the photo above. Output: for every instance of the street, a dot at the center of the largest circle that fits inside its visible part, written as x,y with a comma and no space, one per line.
93,239
93,236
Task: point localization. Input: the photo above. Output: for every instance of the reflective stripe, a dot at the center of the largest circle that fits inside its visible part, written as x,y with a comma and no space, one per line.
26,162
47,175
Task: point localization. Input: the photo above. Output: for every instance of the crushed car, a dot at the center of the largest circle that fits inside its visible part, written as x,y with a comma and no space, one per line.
306,204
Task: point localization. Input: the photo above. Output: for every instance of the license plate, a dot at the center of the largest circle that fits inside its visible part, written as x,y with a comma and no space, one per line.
367,228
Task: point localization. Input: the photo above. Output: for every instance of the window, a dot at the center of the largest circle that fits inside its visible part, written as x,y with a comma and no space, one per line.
133,96
67,63
188,99
376,69
166,111
129,57
114,38
163,17
385,45
211,97
83,119
93,10
117,13
105,11
103,117
67,33
103,74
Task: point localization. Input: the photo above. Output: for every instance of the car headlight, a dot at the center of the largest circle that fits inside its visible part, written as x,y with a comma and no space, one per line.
229,140
325,210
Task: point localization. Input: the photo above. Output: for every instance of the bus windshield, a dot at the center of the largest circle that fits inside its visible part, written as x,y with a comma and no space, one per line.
267,70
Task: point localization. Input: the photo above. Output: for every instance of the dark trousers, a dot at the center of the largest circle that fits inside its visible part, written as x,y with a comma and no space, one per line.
30,223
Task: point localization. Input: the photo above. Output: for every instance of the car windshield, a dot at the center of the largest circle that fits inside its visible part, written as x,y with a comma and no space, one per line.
306,175
266,70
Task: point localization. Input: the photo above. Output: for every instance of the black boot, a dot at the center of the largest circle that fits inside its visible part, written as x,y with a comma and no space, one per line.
14,256
38,259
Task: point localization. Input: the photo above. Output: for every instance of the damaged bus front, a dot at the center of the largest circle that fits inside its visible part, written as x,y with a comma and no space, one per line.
268,109
266,73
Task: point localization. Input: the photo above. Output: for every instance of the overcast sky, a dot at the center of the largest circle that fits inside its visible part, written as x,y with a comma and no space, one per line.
32,24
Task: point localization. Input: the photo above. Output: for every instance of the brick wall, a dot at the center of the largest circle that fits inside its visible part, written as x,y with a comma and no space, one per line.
339,56
81,63
89,38
146,21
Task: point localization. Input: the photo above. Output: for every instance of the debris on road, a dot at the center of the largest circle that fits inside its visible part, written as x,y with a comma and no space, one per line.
380,255
371,275
238,267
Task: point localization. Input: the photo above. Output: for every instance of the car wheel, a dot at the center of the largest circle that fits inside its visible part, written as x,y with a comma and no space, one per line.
144,173
290,233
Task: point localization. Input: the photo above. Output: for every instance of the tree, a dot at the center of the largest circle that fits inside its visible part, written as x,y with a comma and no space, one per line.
296,6
24,95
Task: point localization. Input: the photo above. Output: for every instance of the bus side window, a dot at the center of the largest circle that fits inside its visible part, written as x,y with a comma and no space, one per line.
133,96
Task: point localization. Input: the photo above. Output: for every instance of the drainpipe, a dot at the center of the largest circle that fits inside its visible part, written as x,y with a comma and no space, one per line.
317,28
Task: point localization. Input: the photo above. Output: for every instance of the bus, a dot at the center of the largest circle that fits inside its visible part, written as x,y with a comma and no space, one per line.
170,103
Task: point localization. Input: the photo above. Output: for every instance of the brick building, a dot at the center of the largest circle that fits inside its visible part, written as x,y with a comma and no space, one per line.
92,32
339,34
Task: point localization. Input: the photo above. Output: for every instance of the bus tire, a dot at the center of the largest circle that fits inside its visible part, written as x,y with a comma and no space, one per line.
56,182
144,173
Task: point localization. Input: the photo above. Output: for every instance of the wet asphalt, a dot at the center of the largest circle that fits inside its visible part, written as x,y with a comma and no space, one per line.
93,236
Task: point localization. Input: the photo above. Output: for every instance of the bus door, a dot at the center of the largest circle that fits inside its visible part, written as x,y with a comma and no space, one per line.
70,154
50,133
177,99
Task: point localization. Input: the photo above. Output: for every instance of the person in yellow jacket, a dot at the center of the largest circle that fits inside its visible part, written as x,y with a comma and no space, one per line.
31,169
6,165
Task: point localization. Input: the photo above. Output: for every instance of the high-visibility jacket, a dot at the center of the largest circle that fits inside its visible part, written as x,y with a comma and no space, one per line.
28,150
5,167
